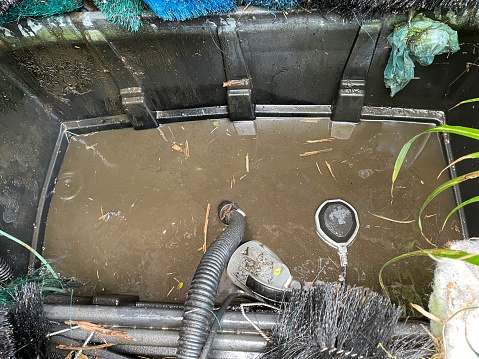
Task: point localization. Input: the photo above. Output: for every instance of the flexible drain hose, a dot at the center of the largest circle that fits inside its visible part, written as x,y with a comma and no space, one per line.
198,313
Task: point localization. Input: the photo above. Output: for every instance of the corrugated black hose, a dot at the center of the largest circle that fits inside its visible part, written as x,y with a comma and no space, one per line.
198,314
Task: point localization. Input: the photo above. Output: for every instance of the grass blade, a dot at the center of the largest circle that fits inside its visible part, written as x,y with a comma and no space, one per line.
400,160
436,252
464,102
443,187
470,344
38,255
427,314
457,130
465,203
466,157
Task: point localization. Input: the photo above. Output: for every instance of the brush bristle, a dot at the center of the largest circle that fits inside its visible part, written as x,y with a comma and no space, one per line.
7,341
283,5
413,346
326,321
125,13
365,9
34,8
6,4
30,326
188,9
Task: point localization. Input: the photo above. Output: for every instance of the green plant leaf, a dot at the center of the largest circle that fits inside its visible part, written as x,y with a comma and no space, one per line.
465,203
38,255
400,160
466,157
443,187
436,252
457,130
470,344
465,101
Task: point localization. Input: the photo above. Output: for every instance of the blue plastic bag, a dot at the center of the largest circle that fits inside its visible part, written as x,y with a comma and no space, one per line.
420,40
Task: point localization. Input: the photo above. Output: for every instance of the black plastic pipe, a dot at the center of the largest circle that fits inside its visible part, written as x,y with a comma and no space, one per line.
100,353
250,342
205,353
152,318
164,318
198,313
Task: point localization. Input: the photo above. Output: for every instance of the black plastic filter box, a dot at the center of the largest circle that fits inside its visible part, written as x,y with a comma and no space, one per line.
78,74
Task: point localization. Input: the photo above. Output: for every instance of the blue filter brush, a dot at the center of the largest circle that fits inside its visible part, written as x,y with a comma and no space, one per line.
187,9
125,13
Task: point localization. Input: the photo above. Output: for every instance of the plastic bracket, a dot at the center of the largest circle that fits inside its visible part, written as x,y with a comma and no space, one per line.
352,87
133,101
238,81
132,96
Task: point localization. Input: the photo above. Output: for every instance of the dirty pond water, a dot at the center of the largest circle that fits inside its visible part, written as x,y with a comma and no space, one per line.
128,212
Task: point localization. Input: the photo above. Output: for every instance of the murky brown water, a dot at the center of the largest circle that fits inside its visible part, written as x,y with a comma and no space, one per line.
128,212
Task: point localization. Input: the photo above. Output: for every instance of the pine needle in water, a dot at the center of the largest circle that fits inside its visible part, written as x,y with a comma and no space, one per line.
92,347
391,220
98,329
205,228
329,139
310,153
187,150
177,148
330,170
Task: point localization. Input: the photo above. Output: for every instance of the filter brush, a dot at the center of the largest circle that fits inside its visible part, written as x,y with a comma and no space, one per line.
187,9
334,321
365,8
355,9
125,13
7,341
30,326
6,4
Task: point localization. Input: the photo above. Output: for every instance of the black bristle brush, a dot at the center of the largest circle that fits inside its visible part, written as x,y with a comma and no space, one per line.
361,9
7,341
335,321
30,326
6,4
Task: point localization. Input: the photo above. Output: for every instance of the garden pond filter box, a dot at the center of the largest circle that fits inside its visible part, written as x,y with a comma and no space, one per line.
117,148
128,211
